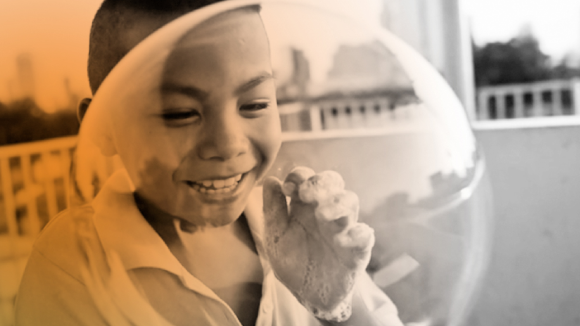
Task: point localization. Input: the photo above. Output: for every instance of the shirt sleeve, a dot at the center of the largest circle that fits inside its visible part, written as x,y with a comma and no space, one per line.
377,302
50,296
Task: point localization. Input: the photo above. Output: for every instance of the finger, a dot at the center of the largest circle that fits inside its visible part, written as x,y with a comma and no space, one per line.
336,215
321,186
275,206
294,179
340,211
355,246
359,237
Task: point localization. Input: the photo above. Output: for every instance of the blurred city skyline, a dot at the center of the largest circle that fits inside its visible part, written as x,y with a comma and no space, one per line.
52,36
45,44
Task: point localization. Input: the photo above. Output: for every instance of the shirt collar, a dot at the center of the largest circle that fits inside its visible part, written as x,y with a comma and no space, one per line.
122,228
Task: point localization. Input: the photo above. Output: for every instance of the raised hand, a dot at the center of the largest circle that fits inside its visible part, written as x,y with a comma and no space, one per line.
316,247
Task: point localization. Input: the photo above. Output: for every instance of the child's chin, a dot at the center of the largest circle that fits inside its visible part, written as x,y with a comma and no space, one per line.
223,221
194,223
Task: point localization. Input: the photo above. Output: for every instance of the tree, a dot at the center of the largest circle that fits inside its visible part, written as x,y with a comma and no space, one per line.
23,121
565,69
519,60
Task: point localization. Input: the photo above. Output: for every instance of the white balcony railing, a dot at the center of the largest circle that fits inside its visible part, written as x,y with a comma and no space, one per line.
34,181
540,99
369,114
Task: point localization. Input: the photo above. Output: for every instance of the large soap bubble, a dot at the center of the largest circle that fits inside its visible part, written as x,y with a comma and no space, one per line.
356,100
361,102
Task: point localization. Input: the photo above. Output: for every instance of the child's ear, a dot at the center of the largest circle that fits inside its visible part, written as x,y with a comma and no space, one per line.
82,109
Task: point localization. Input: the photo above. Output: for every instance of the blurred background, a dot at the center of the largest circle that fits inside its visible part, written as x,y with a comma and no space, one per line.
514,64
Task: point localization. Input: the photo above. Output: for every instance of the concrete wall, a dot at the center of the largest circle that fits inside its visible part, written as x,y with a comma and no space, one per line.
534,272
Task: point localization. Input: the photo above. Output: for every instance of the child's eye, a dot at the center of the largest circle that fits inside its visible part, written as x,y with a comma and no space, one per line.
253,107
179,117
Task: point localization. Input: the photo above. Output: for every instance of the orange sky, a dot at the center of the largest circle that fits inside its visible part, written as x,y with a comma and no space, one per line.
55,34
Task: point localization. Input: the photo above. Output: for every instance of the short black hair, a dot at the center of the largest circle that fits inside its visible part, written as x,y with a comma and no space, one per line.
116,17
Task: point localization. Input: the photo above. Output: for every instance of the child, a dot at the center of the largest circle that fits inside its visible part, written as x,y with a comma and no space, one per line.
180,236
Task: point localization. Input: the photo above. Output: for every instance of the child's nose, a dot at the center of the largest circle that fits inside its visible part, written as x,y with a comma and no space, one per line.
223,139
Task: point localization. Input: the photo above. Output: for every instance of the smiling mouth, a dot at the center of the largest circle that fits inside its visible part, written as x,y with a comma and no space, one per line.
216,186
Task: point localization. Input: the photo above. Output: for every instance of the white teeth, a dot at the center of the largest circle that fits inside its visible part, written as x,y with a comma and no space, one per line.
229,182
217,186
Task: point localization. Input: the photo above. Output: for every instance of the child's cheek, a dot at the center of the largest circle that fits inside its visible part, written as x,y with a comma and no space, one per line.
154,181
272,136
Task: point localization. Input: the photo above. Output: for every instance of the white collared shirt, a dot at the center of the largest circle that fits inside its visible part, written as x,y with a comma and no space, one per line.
54,290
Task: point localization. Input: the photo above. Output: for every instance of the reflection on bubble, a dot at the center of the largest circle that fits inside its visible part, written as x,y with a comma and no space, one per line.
363,104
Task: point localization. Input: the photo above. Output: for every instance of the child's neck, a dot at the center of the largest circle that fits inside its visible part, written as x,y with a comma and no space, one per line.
224,258
220,256
204,251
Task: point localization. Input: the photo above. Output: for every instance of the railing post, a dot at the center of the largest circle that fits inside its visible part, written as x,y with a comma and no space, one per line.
342,119
31,208
518,94
357,117
538,105
330,119
500,104
66,158
557,99
372,117
387,116
482,102
576,95
315,120
8,194
49,185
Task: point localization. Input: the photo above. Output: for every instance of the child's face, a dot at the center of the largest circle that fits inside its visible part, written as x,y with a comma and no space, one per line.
217,131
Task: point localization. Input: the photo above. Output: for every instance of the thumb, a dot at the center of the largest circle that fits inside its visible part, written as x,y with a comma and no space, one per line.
275,206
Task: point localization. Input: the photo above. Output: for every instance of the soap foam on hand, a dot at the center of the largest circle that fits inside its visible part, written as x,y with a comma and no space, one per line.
316,246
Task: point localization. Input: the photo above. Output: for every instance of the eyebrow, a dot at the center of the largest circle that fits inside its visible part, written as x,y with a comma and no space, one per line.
190,91
201,95
253,82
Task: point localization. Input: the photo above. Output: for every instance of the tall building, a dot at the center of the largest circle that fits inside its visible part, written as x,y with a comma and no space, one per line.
25,72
